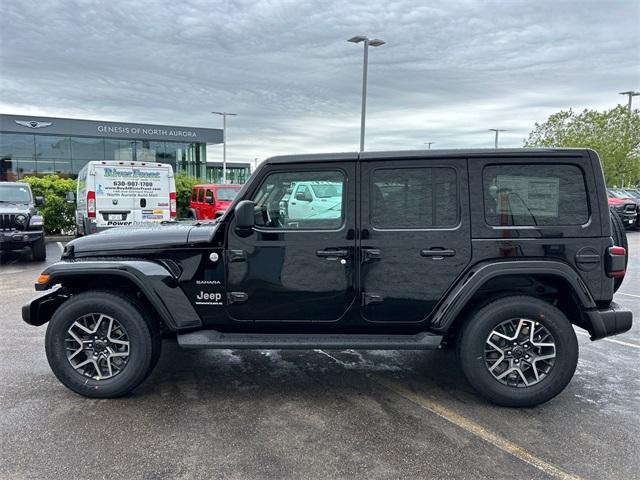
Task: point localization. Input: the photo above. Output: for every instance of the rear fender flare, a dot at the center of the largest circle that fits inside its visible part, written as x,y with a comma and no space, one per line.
458,297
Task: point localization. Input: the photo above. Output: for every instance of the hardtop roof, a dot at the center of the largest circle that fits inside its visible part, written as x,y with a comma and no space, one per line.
428,154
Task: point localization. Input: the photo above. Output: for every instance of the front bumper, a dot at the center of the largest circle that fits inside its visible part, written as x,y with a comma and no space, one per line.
609,321
628,219
39,309
18,239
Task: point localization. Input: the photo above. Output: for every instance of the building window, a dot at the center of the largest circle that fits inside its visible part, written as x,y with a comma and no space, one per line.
87,148
16,145
51,147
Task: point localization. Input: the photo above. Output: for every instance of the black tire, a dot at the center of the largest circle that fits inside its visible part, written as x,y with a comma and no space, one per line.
476,330
39,250
143,335
620,239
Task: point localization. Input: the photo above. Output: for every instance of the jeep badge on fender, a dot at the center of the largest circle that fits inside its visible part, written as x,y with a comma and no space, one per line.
496,252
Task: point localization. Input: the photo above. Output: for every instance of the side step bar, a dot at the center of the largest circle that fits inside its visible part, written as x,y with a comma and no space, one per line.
215,339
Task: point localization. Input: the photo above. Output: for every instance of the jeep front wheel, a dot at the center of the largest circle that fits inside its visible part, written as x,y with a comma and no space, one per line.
518,351
99,344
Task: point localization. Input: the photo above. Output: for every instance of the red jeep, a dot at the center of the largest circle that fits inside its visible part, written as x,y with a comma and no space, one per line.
210,201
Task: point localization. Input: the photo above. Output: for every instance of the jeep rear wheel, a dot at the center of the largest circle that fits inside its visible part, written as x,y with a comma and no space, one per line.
620,239
99,344
518,351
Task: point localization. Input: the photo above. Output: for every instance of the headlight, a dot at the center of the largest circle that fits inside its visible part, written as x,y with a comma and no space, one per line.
21,219
36,221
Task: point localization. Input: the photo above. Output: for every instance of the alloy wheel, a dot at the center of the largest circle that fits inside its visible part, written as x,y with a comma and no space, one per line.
520,352
97,346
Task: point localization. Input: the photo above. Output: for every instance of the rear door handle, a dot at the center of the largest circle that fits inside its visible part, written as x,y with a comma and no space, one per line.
369,254
332,254
438,252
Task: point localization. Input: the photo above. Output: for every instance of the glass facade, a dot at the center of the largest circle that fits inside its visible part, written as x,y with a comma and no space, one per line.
236,174
23,154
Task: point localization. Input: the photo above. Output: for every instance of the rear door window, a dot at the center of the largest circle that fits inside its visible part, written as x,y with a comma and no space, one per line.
535,195
414,198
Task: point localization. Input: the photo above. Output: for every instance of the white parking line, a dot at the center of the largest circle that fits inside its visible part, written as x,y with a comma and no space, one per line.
628,294
611,340
60,247
476,429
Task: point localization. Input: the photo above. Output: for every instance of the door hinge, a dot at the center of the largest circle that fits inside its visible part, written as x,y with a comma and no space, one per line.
237,297
371,297
237,255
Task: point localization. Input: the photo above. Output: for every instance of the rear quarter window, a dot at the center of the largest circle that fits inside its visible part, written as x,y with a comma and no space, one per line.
532,194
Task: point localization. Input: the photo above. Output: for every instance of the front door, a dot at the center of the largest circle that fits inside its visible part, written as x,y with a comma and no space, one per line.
296,269
415,236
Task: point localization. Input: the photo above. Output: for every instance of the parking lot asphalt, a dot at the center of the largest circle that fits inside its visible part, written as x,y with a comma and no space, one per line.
312,414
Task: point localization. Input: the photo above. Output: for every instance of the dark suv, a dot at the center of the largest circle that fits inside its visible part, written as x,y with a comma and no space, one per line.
20,224
496,252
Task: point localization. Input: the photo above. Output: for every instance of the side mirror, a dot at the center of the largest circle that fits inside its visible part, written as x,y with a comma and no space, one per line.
70,197
245,215
302,197
39,200
208,199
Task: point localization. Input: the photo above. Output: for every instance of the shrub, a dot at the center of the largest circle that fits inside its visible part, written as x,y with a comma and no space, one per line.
59,216
184,185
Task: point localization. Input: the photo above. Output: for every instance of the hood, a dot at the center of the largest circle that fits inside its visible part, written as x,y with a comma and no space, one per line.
154,236
15,208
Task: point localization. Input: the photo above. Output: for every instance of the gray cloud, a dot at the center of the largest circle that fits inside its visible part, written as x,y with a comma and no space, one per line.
449,71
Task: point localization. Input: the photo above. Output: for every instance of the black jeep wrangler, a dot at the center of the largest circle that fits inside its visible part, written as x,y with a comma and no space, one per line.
497,252
20,224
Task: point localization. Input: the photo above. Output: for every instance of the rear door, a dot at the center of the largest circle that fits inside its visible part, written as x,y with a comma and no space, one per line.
114,201
415,236
151,191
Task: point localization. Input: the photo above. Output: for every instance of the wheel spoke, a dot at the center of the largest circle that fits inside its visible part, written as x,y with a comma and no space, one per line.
519,352
101,340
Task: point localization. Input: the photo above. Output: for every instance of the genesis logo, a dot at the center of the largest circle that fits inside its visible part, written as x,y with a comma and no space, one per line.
33,124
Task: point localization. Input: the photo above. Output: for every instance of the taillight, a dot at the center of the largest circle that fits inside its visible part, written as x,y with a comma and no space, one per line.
173,210
616,262
91,204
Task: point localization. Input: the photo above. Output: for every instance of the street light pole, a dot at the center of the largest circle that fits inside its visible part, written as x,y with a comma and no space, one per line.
428,144
631,94
224,143
376,42
496,130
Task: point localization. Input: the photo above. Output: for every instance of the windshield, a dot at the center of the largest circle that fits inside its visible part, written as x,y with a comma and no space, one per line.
226,194
328,190
15,194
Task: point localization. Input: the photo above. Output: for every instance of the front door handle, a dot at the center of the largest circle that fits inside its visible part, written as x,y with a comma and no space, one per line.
332,254
438,252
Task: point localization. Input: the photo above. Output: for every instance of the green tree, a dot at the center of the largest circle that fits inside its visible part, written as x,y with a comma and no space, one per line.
59,216
614,134
184,185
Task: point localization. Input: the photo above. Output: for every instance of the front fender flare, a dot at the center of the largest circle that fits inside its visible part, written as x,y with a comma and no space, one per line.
155,282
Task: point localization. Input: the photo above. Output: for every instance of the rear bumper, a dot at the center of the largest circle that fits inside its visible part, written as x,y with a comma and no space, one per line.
609,321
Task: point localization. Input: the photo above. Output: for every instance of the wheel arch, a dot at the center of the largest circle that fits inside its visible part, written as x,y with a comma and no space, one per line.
153,283
551,281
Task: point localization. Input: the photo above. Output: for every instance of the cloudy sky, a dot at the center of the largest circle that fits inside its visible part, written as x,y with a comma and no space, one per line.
449,71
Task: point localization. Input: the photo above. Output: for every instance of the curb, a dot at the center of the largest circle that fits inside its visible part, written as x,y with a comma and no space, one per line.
58,238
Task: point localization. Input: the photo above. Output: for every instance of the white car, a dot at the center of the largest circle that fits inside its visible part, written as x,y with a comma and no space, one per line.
321,200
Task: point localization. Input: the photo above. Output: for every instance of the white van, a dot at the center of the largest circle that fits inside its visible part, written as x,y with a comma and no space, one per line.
114,194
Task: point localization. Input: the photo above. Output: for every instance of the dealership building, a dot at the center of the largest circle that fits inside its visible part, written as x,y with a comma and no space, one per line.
46,145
